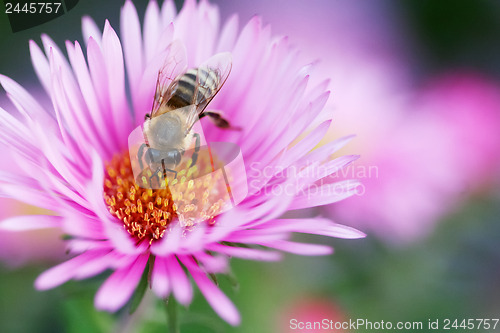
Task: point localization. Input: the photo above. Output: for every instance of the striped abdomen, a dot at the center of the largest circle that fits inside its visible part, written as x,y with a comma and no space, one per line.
186,86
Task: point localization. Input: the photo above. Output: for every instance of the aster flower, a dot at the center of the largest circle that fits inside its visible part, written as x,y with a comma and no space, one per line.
73,158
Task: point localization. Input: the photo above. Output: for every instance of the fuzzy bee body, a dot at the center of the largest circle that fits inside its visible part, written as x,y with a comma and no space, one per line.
179,103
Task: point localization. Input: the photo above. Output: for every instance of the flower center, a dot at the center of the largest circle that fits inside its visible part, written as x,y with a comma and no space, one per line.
197,194
145,213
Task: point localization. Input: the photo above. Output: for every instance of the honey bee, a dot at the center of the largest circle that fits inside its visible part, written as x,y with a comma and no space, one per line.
178,104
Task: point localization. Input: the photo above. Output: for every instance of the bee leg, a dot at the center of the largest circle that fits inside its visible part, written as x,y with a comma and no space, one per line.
157,178
140,155
166,169
219,120
194,157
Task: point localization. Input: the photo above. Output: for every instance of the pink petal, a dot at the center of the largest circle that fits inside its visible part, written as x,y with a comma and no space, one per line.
167,38
84,226
300,248
30,222
316,171
285,134
28,195
59,274
337,164
250,41
227,223
193,241
245,253
277,200
30,108
159,280
11,178
318,226
170,243
317,113
114,232
181,286
254,236
216,298
51,47
152,29
113,57
96,266
98,73
228,35
55,151
90,30
327,150
205,37
325,194
211,263
119,287
70,125
168,12
79,64
80,245
41,66
186,30
342,231
132,47
16,135
66,124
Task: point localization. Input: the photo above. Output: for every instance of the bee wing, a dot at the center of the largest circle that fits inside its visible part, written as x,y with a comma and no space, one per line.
175,64
210,77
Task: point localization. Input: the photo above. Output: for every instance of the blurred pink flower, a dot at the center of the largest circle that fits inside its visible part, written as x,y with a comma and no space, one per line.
20,247
310,314
62,155
442,150
23,247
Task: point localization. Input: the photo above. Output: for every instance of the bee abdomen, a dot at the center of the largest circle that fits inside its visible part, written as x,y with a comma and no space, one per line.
187,86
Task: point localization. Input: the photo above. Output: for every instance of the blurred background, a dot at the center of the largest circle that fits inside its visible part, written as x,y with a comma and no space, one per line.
418,82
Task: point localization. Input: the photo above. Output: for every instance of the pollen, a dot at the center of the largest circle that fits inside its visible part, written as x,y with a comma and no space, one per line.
146,214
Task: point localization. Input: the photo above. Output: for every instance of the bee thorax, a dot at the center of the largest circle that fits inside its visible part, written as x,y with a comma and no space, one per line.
165,131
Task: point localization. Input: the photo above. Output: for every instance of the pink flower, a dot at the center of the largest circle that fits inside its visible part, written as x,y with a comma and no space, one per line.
311,314
44,245
67,155
439,153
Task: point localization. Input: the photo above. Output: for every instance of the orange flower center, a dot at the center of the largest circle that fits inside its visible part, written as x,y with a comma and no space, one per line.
145,213
193,197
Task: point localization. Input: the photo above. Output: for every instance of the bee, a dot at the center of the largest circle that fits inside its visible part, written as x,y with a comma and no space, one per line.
178,104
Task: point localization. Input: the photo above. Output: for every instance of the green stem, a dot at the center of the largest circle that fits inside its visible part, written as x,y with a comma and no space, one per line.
173,323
